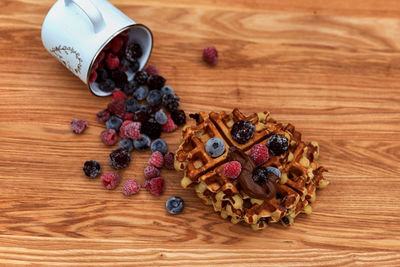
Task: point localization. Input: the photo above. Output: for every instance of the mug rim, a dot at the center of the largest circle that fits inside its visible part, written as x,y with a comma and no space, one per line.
130,26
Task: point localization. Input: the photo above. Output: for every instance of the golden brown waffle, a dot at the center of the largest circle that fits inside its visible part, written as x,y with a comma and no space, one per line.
295,189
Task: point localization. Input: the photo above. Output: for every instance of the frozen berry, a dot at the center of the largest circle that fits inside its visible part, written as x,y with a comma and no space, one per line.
155,82
117,108
260,175
169,126
78,126
179,117
210,55
126,144
107,47
232,169
130,187
259,154
114,122
102,75
242,131
131,105
154,98
155,186
93,76
174,205
169,161
151,70
116,44
166,90
140,116
275,171
124,65
215,147
109,137
120,158
143,143
171,102
130,87
112,61
151,129
100,57
133,51
144,108
156,159
120,78
159,145
132,130
103,115
151,172
140,77
107,85
277,144
141,93
91,168
135,66
122,128
117,95
110,180
160,117
128,116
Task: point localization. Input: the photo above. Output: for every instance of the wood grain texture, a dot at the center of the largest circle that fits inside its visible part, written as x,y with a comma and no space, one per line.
330,67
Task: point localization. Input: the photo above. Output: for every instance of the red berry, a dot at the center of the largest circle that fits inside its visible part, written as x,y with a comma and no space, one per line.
103,115
210,55
122,128
110,180
169,161
93,76
128,116
151,70
131,187
232,169
78,126
116,44
151,172
156,159
259,154
155,186
169,126
107,47
117,95
112,61
100,57
132,130
117,108
109,137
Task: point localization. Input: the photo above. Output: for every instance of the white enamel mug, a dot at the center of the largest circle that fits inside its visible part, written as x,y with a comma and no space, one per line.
76,31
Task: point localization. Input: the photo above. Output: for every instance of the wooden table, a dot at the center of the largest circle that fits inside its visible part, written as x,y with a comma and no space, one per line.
330,67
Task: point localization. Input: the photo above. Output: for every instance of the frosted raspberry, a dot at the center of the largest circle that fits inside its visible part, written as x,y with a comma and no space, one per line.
169,126
210,55
132,130
122,129
128,116
93,76
151,70
259,153
151,172
117,108
78,126
155,186
156,159
116,44
131,187
232,169
169,161
117,95
103,115
112,61
110,180
109,137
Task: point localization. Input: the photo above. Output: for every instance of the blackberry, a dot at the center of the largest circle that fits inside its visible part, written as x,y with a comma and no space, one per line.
277,144
242,131
140,116
120,78
107,85
179,117
130,87
131,105
91,168
260,175
133,51
140,77
102,75
171,102
155,82
151,129
154,98
120,158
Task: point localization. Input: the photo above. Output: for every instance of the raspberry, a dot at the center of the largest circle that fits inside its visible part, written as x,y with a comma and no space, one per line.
151,70
93,76
112,61
155,186
169,126
110,180
91,168
119,158
156,159
116,44
117,95
128,116
179,117
155,82
120,78
109,137
169,161
259,153
140,77
232,169
107,47
277,144
151,172
103,115
100,57
78,126
242,131
210,55
133,51
171,102
151,129
117,108
122,128
131,187
132,130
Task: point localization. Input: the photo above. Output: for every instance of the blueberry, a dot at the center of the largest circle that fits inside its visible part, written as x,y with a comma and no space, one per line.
126,144
274,170
215,147
160,117
141,93
175,205
107,85
159,145
166,90
144,108
131,105
102,75
277,144
142,143
135,66
154,98
114,122
130,87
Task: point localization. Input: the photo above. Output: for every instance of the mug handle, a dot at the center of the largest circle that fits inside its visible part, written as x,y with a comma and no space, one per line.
91,11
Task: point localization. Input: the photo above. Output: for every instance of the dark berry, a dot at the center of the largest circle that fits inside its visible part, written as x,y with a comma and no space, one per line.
171,102
114,122
140,77
260,175
242,131
120,158
141,93
179,117
120,78
151,129
133,51
107,85
144,108
140,116
91,168
103,115
117,108
130,87
143,143
124,64
174,205
277,144
155,82
154,98
159,145
102,75
166,90
135,66
131,105
151,70
78,126
126,144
